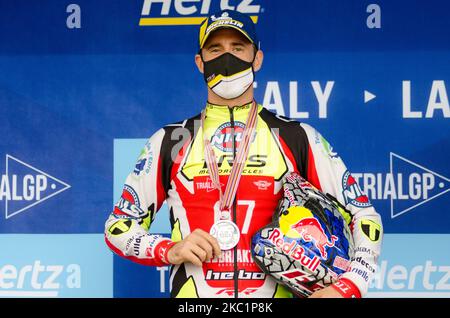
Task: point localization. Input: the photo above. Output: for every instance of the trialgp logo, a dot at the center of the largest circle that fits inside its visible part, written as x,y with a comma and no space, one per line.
38,279
24,186
407,186
192,12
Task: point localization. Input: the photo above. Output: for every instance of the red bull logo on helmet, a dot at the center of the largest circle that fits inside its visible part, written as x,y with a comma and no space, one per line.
294,250
311,230
299,222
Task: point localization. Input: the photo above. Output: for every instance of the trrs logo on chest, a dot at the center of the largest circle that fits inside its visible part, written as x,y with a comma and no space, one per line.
253,161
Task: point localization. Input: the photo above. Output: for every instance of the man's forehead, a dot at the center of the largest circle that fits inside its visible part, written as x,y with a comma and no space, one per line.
223,34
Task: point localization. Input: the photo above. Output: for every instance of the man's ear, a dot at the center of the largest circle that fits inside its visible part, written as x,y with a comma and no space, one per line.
199,62
257,63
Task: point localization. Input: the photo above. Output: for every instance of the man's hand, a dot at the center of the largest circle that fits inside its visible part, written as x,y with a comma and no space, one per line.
196,248
327,292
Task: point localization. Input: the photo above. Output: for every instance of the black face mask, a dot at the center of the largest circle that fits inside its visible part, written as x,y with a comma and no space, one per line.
228,76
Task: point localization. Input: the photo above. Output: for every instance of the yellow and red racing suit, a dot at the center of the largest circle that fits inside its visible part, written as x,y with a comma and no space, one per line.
172,168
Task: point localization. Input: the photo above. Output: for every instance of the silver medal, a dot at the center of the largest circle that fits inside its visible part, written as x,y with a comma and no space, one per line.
227,234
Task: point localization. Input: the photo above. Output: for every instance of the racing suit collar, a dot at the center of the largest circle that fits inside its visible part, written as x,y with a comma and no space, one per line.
225,110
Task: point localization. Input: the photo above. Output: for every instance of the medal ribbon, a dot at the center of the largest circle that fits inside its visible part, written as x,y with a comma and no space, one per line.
227,198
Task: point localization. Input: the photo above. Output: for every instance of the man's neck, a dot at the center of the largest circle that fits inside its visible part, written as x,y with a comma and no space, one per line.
245,98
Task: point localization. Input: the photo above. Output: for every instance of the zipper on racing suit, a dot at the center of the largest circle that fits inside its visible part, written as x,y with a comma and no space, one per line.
236,281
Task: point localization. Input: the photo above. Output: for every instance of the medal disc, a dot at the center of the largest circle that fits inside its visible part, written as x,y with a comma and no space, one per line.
227,234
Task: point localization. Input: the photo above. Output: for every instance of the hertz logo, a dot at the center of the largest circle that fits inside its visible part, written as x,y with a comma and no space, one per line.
191,12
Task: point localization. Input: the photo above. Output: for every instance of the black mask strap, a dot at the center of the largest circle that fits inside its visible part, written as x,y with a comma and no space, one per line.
253,60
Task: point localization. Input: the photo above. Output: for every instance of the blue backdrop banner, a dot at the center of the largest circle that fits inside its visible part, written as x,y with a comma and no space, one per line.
84,84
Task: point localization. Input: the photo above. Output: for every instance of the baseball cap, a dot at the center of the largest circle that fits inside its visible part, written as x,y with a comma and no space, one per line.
228,19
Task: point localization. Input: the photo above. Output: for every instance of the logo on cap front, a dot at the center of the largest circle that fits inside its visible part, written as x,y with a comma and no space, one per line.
224,22
224,16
